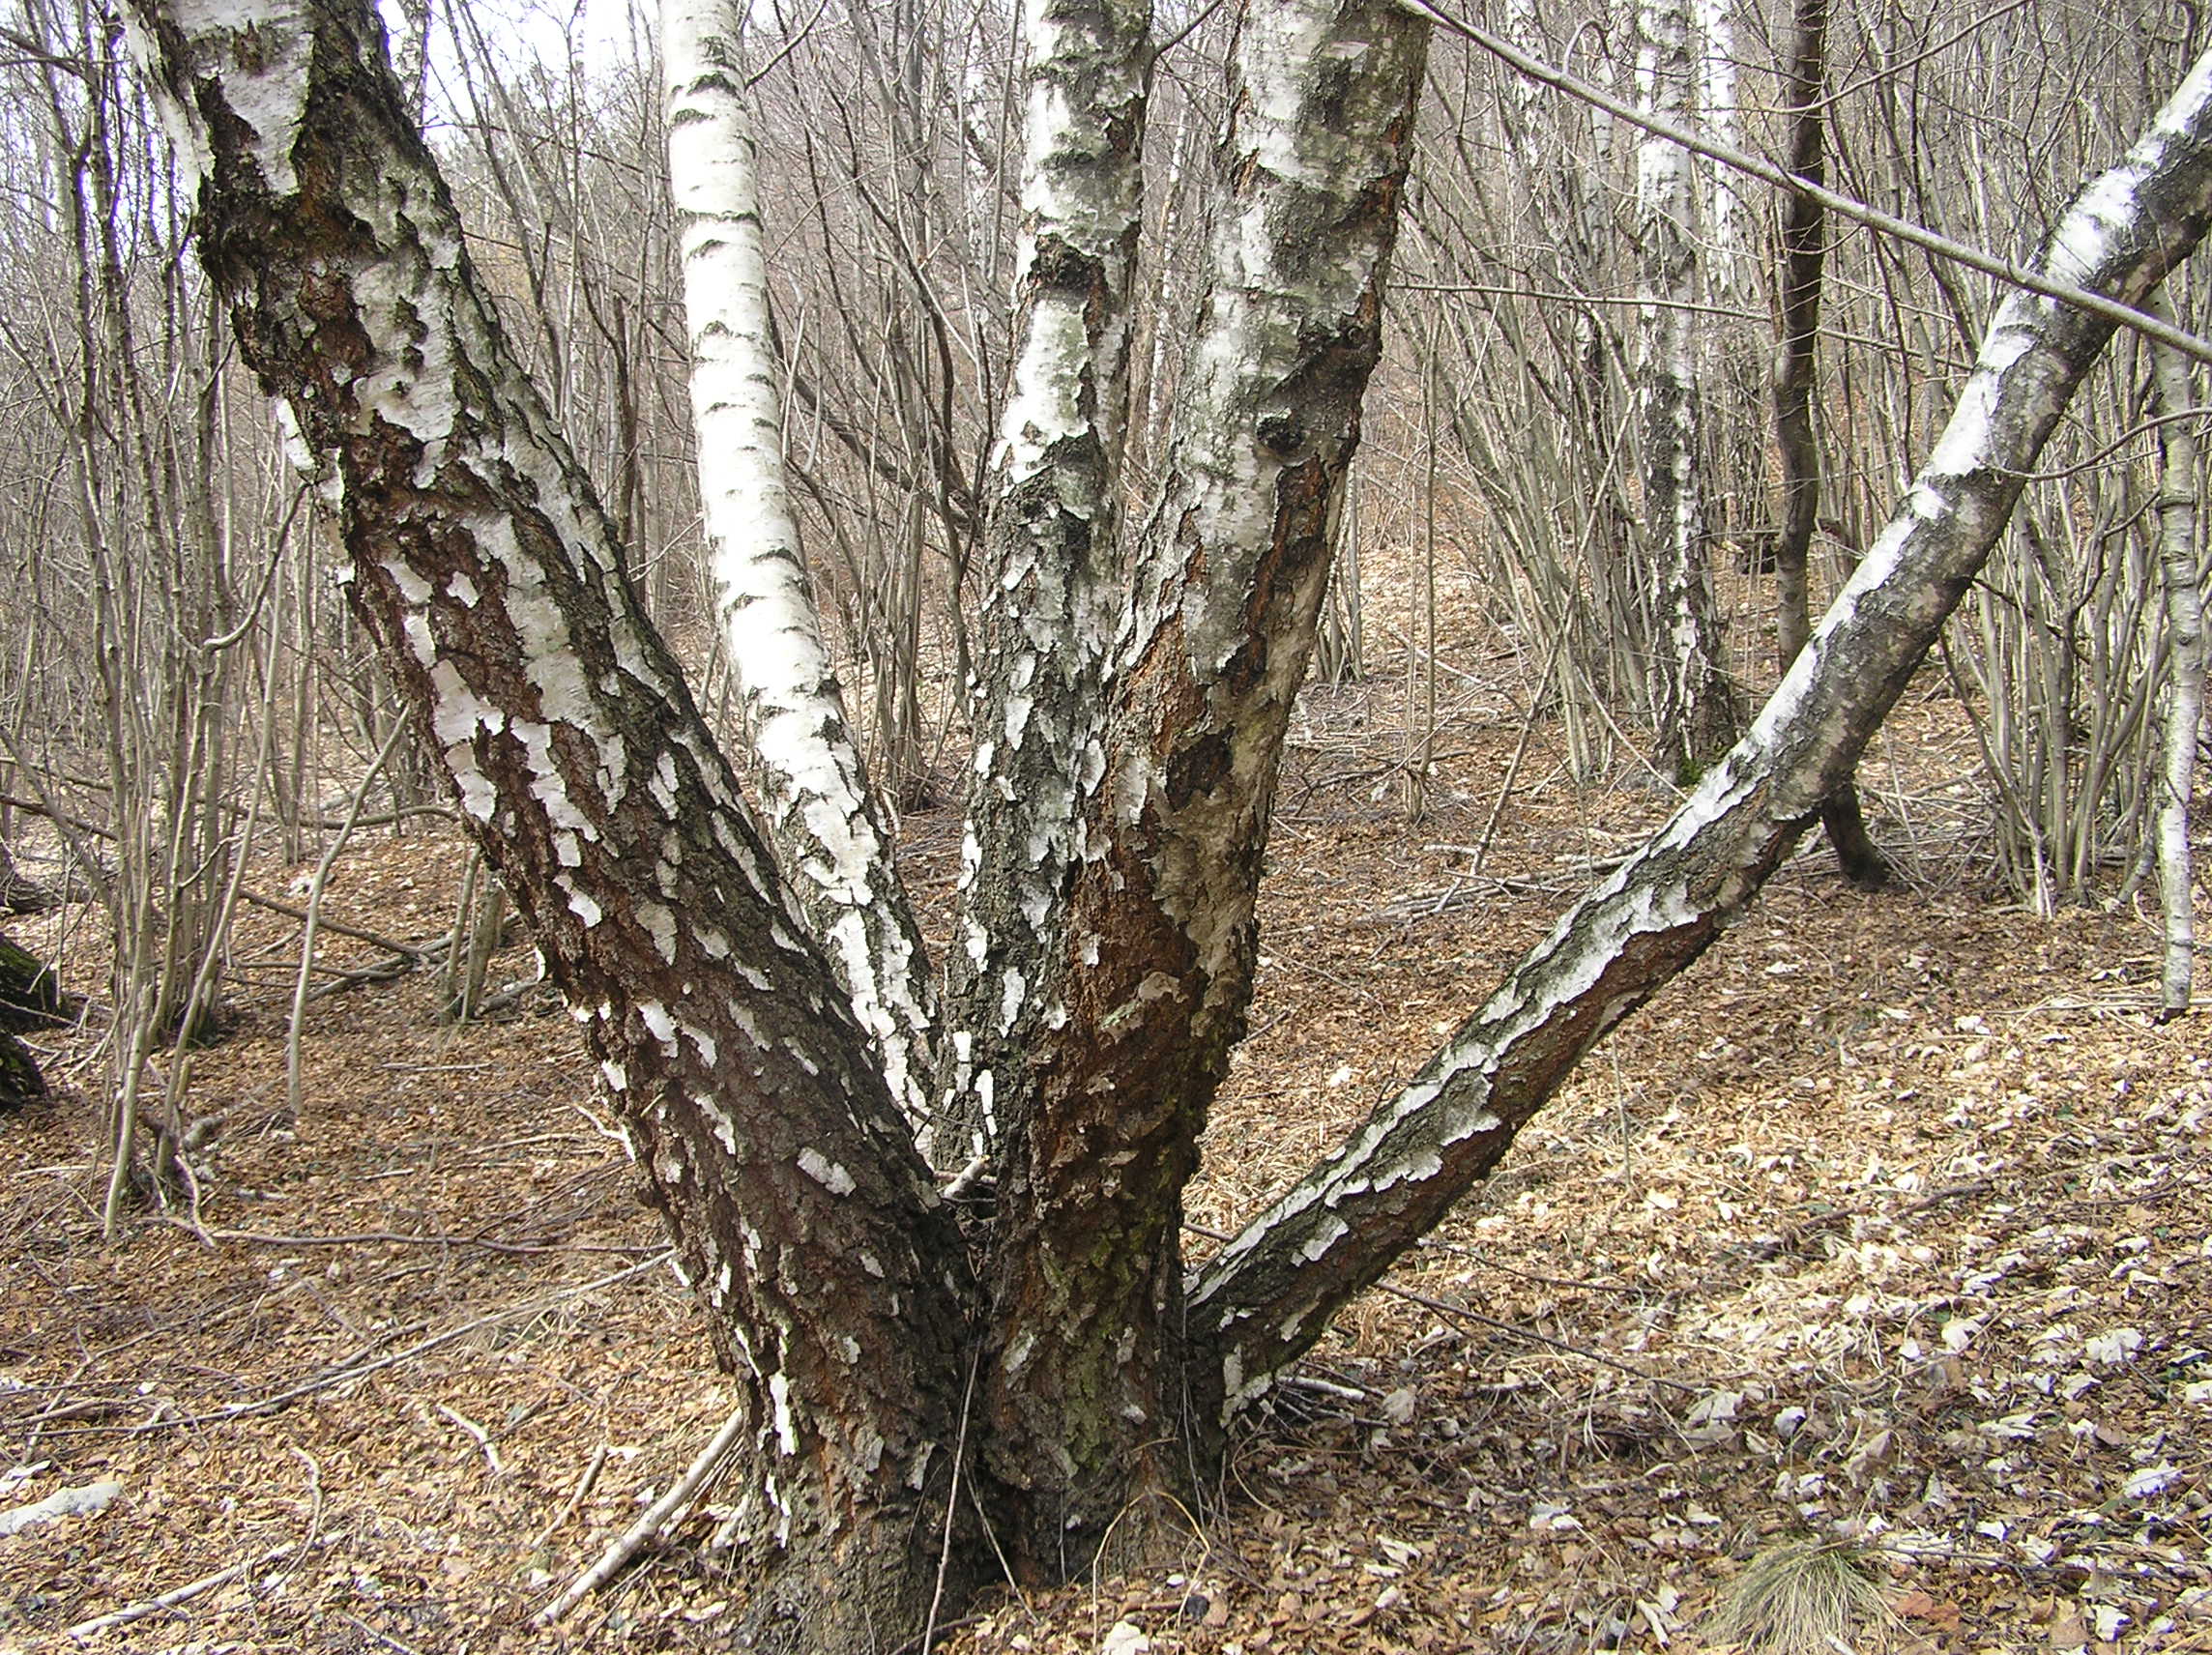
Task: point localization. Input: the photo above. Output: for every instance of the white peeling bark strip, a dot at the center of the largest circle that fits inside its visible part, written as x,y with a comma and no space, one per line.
1270,1291
803,762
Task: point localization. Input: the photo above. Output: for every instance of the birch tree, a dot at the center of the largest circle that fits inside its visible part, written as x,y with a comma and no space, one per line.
804,768
919,1404
1693,701
2181,572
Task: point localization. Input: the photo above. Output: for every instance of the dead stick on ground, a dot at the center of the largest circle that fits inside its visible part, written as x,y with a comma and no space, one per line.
583,1492
482,1436
188,1590
659,1515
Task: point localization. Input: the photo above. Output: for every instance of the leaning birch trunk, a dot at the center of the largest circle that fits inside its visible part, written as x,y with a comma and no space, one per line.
1051,592
1693,704
1797,381
801,760
834,1282
1082,1392
1272,1292
2183,577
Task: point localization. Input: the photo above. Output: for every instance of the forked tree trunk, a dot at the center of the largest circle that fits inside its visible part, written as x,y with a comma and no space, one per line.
892,1393
1086,1388
1796,380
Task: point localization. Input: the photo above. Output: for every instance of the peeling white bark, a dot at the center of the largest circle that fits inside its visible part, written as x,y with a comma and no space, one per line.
1052,602
804,763
1269,1291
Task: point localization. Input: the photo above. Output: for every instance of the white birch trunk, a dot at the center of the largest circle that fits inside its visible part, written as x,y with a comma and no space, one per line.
802,762
1271,1290
1717,114
2182,575
1691,700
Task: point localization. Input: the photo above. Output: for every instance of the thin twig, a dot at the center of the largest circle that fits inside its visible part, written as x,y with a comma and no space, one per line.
188,1590
482,1436
341,1376
383,1637
1842,205
1444,1307
394,1238
951,1507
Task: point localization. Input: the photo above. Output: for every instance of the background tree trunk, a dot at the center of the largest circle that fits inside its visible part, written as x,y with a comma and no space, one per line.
1797,381
1693,703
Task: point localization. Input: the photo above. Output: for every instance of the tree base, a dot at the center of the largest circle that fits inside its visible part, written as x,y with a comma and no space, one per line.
1865,866
20,1081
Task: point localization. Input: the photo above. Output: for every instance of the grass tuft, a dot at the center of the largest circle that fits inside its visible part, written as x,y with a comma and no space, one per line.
1804,1597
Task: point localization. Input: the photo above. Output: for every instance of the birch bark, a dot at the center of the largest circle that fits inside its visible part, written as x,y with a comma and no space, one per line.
1271,1290
1052,595
801,760
2182,574
1693,704
835,1285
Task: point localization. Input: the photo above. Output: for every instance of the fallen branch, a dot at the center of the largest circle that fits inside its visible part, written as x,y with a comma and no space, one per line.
662,1514
576,1496
324,922
482,1435
394,1238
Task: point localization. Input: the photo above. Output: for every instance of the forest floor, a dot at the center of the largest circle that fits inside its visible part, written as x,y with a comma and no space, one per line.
1888,1223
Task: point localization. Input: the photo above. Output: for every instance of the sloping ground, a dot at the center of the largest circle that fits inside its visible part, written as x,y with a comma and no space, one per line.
1888,1221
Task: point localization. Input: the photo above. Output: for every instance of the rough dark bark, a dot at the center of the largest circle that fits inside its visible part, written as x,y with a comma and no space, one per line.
837,1286
18,894
1797,381
1084,1391
30,997
30,994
